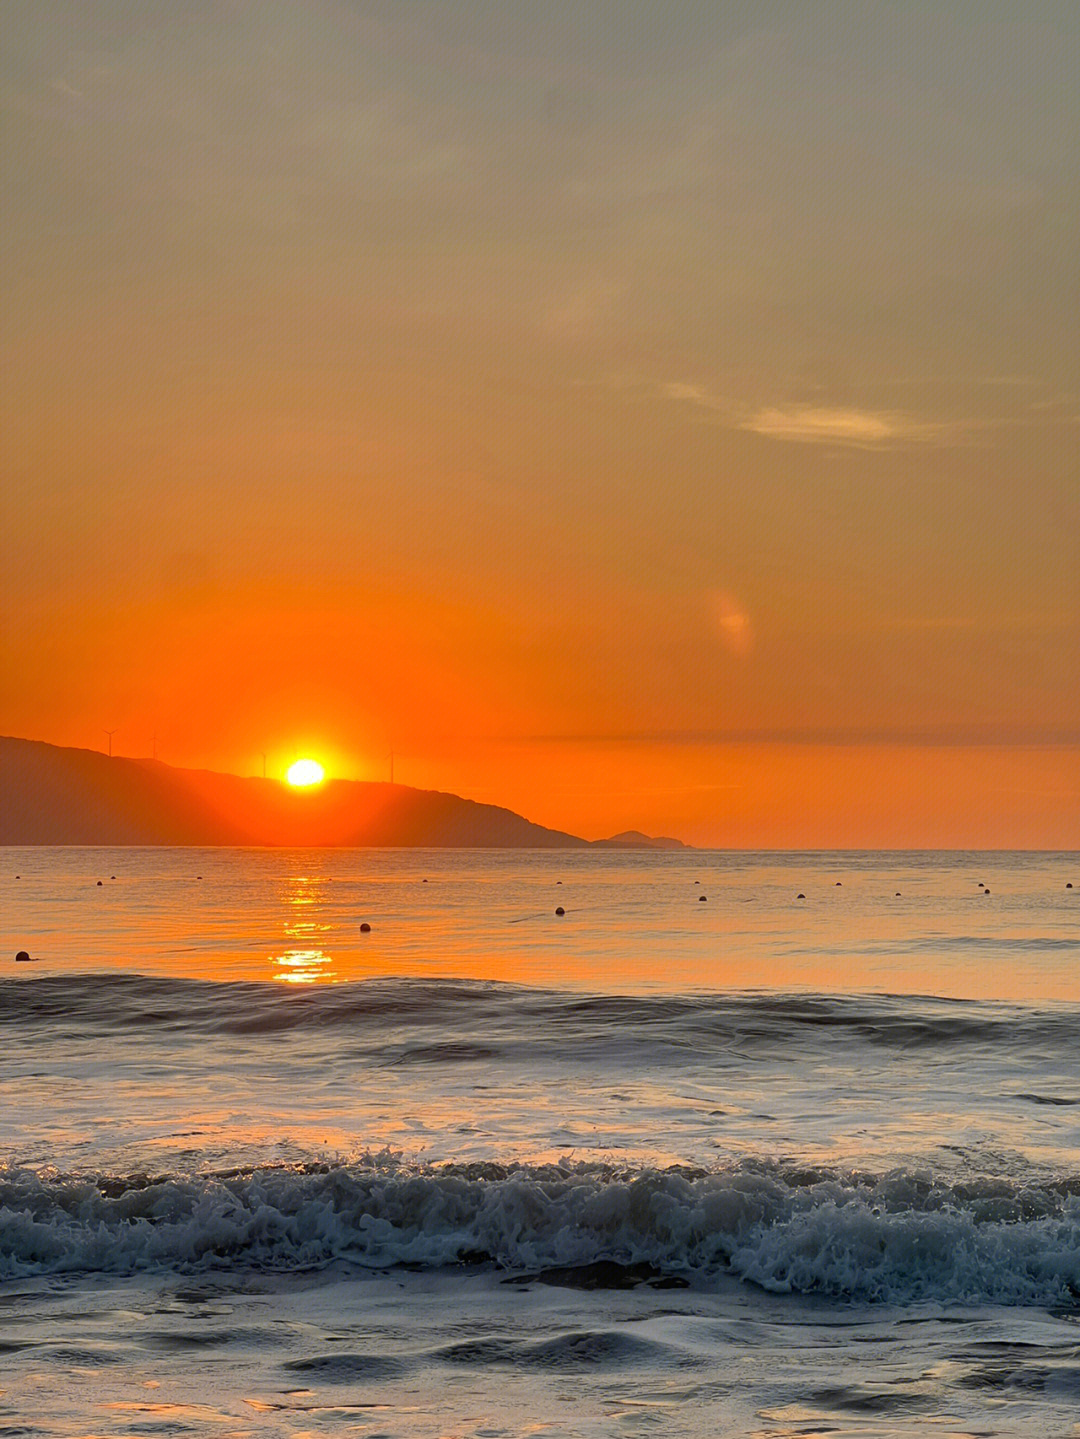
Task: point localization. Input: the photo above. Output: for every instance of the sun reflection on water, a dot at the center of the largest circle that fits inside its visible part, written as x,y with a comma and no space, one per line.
304,961
303,966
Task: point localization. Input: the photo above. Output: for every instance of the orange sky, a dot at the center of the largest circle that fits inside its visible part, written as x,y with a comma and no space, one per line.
639,416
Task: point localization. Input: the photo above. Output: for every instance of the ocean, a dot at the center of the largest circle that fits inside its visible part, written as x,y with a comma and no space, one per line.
736,1144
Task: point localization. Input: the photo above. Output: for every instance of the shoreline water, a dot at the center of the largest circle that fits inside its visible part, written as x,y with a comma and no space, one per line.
429,1354
259,1177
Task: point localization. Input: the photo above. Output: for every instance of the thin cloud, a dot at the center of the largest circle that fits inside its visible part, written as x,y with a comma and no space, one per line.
693,394
809,424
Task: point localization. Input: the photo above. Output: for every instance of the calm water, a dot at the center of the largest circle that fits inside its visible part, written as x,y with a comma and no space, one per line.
894,923
751,1164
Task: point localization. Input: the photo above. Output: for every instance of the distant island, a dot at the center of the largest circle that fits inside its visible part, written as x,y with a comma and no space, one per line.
53,795
634,839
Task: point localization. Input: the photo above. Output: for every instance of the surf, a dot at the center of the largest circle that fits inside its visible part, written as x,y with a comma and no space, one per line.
901,1237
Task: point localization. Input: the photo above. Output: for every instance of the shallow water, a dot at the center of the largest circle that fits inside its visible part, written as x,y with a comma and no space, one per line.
263,1173
441,1353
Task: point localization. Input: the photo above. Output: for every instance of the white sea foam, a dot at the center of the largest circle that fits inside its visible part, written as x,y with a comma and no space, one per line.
899,1238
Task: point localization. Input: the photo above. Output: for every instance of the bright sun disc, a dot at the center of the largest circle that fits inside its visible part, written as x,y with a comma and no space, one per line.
305,771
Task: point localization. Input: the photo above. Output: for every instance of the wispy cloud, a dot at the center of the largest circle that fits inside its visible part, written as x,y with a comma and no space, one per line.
692,394
812,424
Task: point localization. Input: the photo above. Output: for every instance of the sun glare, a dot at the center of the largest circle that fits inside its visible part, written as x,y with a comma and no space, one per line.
304,772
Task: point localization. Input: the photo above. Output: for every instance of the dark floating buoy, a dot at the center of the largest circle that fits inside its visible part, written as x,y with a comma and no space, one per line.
800,896
838,884
112,876
424,881
22,957
1068,886
100,882
697,881
560,910
896,895
198,876
986,891
702,898
365,928
558,881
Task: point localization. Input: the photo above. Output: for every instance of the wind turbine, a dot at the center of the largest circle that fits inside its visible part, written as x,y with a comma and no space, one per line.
110,733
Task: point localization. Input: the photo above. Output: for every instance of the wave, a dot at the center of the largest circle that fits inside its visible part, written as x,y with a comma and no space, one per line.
902,1237
457,1011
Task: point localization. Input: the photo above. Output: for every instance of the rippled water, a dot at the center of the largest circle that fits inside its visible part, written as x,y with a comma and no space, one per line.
893,923
799,1157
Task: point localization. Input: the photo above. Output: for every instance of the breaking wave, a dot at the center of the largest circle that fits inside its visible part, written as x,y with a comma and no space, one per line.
902,1237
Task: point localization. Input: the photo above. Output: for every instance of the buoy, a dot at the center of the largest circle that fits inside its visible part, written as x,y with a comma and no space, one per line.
837,884
99,884
800,896
896,895
22,957
986,891
112,876
702,898
365,928
1068,886
560,910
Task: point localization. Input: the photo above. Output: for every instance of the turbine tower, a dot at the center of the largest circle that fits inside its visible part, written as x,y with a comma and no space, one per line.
110,733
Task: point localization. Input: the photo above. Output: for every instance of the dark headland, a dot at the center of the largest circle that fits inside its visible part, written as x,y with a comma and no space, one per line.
53,795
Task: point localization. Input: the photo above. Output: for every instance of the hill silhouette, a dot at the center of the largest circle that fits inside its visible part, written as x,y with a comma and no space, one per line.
53,795
634,839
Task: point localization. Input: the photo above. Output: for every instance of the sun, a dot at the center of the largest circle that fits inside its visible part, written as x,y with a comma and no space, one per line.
305,772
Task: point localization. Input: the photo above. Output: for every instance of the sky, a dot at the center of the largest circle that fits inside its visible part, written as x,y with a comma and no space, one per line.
643,416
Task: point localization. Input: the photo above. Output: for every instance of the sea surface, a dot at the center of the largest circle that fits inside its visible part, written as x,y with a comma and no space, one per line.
737,1144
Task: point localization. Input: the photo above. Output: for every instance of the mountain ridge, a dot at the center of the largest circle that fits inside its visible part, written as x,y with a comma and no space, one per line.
53,794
